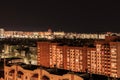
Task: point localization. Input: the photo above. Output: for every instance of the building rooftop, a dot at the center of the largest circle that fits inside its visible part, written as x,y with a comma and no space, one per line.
54,71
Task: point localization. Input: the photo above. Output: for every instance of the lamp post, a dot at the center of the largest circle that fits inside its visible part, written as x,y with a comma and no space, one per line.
4,65
108,78
90,76
114,78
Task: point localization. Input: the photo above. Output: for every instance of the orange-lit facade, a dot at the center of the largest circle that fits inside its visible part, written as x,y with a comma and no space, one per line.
64,57
102,59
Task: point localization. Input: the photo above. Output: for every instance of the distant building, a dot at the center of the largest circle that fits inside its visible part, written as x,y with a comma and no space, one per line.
52,34
2,33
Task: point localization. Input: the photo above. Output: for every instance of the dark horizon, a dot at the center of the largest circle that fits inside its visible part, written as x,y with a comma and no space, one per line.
80,17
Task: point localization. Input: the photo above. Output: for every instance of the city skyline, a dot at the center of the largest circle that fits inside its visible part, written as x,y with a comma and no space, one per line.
67,16
78,54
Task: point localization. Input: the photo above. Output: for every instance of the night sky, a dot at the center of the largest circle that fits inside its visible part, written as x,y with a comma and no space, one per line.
86,16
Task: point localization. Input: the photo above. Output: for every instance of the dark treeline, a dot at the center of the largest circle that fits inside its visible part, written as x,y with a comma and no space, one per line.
21,41
33,42
75,42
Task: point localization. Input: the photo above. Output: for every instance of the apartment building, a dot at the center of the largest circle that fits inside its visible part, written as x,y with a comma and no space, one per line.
103,58
64,57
